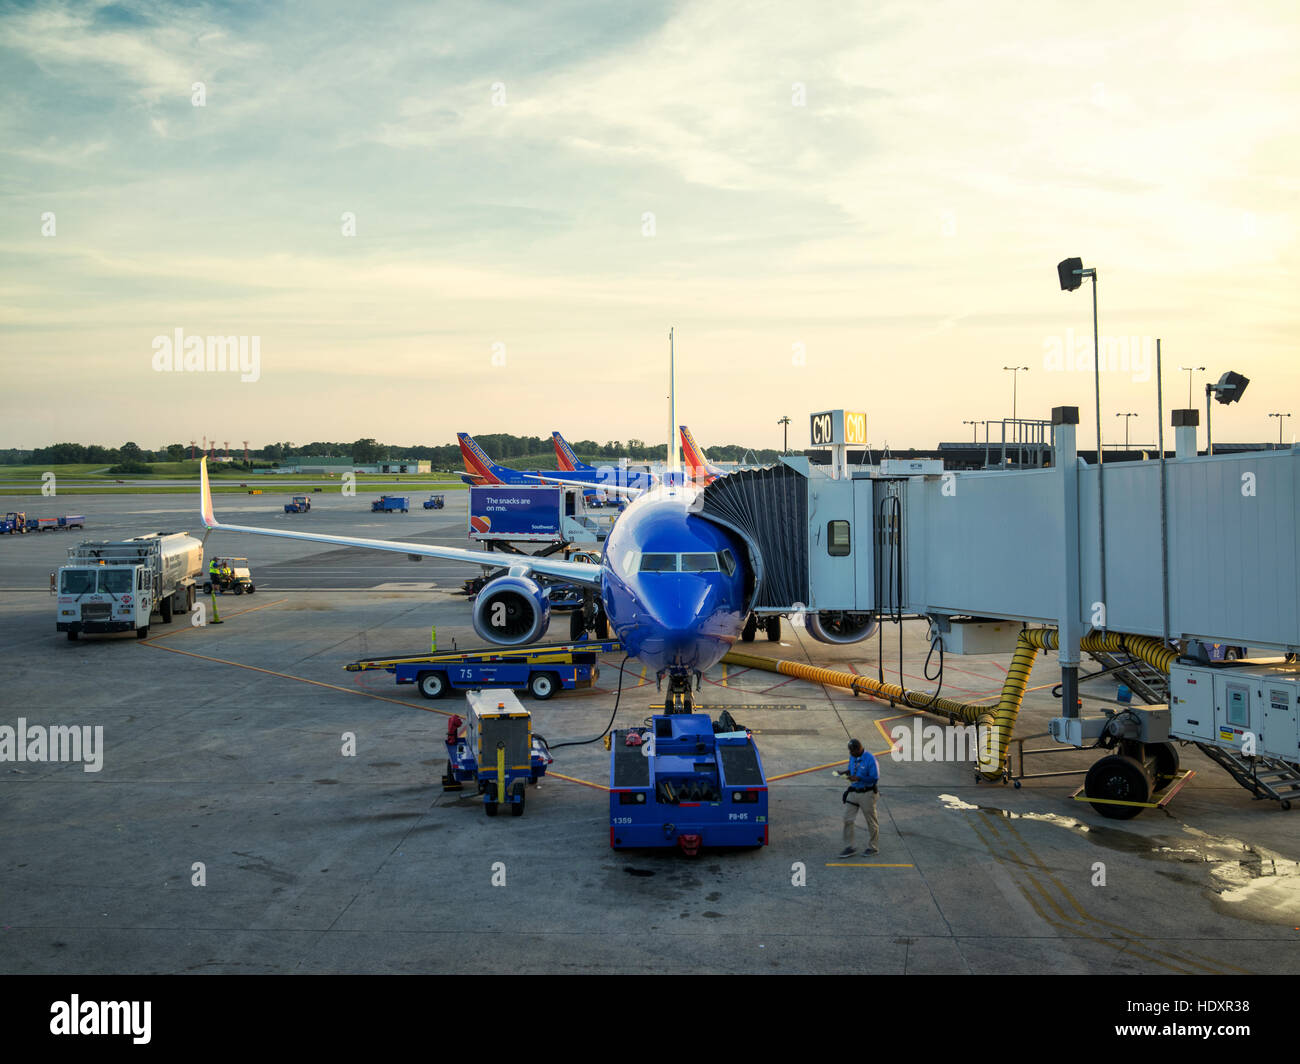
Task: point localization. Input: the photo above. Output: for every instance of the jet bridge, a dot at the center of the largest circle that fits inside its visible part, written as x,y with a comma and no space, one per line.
1026,544
1191,551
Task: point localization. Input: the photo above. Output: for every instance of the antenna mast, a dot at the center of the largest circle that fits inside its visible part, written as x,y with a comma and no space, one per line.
672,407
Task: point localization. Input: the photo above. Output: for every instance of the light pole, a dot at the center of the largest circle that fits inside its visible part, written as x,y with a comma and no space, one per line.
785,421
1228,389
1189,370
1280,419
1015,377
975,430
1126,417
1071,272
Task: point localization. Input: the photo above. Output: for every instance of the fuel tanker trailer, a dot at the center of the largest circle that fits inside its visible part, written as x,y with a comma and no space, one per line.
118,587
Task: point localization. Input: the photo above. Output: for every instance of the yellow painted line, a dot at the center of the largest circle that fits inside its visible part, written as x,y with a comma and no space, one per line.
998,693
835,864
574,779
195,628
1111,801
802,771
300,679
880,727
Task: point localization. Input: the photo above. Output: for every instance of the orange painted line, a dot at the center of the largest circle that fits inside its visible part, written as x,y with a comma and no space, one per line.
574,779
195,628
299,679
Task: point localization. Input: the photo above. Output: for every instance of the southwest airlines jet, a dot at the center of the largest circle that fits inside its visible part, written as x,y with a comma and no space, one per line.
480,469
675,587
697,463
565,459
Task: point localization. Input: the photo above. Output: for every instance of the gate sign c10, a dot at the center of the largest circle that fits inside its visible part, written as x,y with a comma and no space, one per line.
838,427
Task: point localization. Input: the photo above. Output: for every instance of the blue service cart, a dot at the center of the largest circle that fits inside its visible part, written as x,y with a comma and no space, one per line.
541,670
435,502
686,782
300,505
495,749
387,504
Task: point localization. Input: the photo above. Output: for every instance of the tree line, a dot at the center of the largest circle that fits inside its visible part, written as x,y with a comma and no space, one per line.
502,446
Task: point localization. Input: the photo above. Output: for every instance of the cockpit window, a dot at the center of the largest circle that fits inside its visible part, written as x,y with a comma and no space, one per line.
727,561
699,563
659,563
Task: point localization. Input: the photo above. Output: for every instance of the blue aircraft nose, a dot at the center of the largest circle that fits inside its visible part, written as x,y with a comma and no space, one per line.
676,623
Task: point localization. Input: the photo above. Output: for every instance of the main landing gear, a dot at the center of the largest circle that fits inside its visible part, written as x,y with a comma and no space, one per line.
771,627
589,617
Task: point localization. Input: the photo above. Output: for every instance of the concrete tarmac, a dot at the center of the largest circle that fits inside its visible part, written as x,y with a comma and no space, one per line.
230,827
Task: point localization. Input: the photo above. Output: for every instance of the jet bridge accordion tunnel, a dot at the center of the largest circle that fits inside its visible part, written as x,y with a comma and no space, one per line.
1195,549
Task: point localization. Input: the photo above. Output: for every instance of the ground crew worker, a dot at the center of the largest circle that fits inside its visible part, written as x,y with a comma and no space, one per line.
860,798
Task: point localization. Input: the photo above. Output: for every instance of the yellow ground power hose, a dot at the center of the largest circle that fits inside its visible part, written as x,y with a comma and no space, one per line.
996,723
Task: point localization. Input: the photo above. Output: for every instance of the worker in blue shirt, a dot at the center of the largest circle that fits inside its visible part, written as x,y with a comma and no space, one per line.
860,798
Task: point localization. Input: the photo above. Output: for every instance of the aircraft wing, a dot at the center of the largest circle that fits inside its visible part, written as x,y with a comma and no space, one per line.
576,572
621,489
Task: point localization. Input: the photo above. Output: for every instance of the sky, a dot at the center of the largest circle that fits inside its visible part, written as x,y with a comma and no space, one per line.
434,217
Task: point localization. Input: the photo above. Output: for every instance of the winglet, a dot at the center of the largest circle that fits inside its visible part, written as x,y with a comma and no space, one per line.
205,496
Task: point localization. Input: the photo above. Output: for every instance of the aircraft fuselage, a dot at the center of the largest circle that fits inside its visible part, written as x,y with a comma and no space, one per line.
673,584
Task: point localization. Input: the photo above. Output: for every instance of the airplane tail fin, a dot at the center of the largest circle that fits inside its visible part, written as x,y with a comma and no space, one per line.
477,463
697,463
565,456
205,496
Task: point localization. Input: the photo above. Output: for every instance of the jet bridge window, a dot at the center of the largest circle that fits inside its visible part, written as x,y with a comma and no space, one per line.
838,542
659,563
699,563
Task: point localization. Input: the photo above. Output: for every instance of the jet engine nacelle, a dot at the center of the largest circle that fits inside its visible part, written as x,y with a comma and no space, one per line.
511,611
839,626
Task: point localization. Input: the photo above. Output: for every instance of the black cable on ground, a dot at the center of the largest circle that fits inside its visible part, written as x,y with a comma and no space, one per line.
617,697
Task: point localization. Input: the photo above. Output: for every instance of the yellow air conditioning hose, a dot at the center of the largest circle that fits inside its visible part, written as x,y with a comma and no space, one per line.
997,723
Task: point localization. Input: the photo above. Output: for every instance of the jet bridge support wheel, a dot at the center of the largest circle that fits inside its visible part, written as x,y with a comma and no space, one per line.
1118,778
750,630
1166,763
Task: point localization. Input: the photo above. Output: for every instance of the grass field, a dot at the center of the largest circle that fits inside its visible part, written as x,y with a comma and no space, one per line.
94,478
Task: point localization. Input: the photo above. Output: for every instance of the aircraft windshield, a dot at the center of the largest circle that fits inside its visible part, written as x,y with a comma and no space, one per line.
76,581
693,562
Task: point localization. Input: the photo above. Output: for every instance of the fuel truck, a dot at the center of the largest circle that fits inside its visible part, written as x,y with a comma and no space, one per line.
117,587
